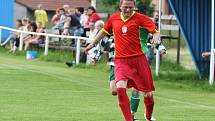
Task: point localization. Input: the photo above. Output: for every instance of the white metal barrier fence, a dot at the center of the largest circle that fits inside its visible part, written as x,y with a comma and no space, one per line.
47,36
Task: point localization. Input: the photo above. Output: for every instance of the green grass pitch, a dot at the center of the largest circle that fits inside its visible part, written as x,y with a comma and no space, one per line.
47,91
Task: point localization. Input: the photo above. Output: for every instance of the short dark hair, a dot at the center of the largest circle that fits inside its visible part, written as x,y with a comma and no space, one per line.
92,8
19,21
80,9
120,3
34,26
62,9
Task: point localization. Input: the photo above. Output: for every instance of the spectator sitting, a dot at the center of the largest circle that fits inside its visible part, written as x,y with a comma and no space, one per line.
56,17
26,27
79,11
71,11
95,53
32,28
14,35
38,39
74,27
93,16
60,24
66,8
26,24
93,31
84,18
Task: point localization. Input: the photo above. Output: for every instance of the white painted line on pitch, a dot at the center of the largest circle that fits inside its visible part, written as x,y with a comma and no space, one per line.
78,82
185,103
70,91
53,75
35,66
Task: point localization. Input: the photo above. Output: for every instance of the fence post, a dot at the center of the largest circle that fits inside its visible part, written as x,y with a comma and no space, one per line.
78,49
157,62
21,42
46,45
211,79
178,47
0,35
93,3
157,67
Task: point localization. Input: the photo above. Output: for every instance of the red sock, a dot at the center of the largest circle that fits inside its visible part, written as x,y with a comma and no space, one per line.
149,105
124,103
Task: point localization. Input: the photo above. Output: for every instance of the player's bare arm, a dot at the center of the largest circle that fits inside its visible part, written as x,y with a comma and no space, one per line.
98,38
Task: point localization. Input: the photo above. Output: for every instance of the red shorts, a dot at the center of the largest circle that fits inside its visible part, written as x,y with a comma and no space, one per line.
136,70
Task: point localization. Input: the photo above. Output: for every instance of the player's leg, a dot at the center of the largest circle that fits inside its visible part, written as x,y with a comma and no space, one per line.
149,85
149,105
124,100
112,81
113,87
27,43
134,100
150,55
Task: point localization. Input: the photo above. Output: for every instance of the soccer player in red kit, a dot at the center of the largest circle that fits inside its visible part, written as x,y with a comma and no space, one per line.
131,66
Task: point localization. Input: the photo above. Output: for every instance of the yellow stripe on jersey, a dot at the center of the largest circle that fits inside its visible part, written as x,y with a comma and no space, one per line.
105,31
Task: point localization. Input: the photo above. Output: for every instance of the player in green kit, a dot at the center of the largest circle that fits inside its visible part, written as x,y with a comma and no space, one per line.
135,96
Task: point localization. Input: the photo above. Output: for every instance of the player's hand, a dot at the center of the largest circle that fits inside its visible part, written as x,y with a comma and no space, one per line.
156,38
94,61
205,54
162,52
89,47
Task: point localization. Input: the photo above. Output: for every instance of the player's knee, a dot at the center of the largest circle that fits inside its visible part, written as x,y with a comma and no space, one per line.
112,84
148,94
121,84
135,93
113,87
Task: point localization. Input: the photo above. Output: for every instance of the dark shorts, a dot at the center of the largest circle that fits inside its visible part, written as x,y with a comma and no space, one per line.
136,70
17,42
41,41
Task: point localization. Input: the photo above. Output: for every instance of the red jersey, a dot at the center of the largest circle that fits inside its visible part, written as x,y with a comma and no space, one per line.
126,33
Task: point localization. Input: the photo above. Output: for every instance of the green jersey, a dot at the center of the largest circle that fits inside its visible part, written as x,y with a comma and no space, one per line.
143,33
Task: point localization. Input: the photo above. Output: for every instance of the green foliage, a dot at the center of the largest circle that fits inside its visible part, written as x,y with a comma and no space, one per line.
111,6
145,7
108,6
110,2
